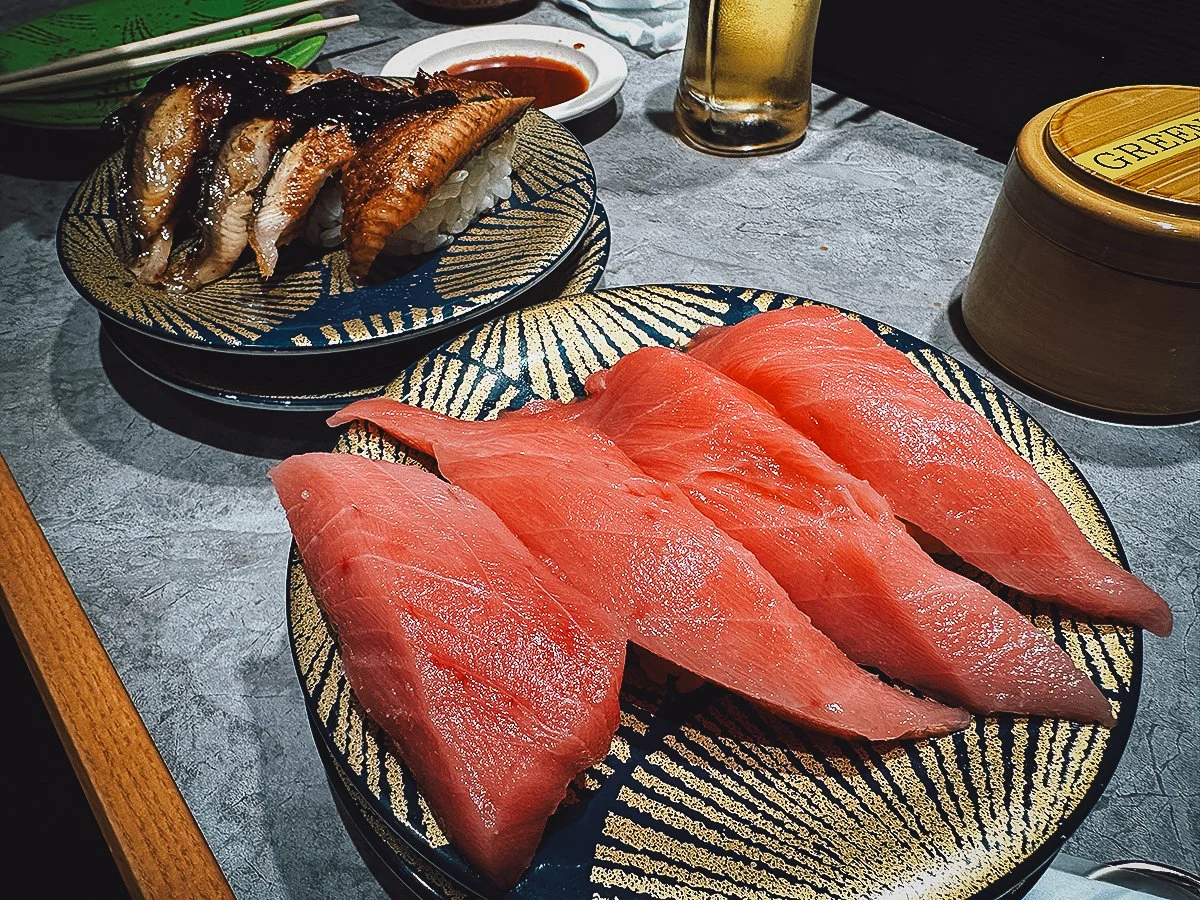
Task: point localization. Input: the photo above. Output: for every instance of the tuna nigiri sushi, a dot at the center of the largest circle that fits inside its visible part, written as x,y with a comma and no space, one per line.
937,460
497,682
685,590
829,539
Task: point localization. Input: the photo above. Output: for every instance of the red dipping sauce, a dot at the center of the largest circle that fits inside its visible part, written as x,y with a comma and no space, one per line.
548,81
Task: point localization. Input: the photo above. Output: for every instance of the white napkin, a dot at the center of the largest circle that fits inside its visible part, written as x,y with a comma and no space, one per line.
655,26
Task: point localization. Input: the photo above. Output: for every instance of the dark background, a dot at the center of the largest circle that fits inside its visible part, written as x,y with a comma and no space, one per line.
976,71
52,846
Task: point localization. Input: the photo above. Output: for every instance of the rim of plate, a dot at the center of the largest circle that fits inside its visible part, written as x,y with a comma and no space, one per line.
1016,878
224,397
376,834
601,63
587,185
119,333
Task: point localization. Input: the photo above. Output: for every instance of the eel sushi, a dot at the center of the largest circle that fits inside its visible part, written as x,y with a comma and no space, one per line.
175,121
337,125
227,202
497,682
936,460
421,180
829,539
248,149
685,590
231,185
331,120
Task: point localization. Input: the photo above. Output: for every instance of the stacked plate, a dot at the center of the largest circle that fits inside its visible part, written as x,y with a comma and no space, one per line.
311,338
101,24
703,794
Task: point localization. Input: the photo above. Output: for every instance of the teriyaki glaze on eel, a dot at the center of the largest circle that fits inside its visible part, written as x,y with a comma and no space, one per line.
172,126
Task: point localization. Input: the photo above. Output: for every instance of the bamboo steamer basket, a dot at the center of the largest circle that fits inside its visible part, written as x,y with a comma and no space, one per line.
1087,283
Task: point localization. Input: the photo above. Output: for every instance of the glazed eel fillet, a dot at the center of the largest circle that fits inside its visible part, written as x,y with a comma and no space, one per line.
331,122
270,167
175,122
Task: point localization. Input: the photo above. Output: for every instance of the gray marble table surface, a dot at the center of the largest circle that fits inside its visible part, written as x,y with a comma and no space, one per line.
161,514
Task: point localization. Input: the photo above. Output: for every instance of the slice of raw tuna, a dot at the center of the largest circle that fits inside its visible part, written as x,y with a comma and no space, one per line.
829,539
937,460
685,590
497,682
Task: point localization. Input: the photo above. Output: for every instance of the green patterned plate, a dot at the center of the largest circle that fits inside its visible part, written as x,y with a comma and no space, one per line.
312,304
107,23
704,795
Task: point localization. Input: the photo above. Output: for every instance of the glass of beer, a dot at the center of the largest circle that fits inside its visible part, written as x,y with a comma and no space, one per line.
746,84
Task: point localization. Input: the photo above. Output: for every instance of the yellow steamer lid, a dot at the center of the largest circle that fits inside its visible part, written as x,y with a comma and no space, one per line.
1114,176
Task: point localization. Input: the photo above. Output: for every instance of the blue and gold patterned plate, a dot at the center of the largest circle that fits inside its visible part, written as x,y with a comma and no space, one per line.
704,795
312,304
327,382
405,875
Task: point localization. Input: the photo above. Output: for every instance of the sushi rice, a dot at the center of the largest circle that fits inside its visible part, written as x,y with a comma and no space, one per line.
484,181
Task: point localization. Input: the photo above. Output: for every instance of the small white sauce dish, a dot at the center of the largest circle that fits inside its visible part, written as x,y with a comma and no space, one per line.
600,62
